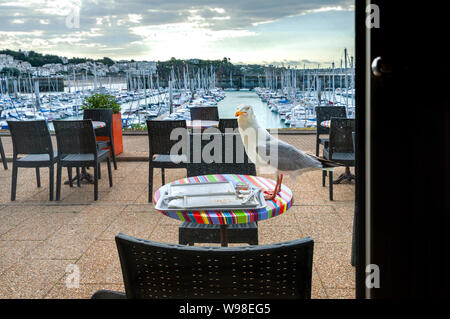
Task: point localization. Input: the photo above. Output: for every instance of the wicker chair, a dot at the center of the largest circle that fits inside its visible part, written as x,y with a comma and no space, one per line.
160,145
2,153
340,149
191,233
325,113
154,270
205,113
77,148
32,139
106,116
227,123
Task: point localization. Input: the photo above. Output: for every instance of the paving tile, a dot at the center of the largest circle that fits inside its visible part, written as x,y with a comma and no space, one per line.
324,227
131,223
12,252
38,227
341,293
32,279
84,291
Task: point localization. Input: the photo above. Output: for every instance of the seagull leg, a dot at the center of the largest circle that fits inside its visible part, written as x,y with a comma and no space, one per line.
270,195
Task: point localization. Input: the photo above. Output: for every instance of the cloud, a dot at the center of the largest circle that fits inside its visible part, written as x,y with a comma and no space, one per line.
139,26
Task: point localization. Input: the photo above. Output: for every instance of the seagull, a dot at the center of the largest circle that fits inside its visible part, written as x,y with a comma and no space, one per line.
267,151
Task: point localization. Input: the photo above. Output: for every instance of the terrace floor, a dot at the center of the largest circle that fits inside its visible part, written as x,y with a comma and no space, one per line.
39,240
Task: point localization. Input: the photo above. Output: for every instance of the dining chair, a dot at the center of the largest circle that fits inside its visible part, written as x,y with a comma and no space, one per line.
228,123
77,147
160,145
191,233
340,149
154,270
32,139
205,113
325,113
2,153
106,116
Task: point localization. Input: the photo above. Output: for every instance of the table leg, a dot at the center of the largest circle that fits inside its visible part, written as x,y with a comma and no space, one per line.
346,176
224,235
83,176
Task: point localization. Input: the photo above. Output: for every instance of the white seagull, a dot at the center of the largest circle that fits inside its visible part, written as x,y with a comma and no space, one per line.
265,150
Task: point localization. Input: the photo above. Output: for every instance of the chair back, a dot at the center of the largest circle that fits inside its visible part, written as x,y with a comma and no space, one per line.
159,135
30,137
341,137
157,270
102,115
325,113
227,123
75,137
205,113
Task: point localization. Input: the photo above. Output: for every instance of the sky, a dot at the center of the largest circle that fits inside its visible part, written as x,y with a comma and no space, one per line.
292,32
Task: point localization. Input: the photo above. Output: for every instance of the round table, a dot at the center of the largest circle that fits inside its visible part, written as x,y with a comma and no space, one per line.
273,208
201,124
98,124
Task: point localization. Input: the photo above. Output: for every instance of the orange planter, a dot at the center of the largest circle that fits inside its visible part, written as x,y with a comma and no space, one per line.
117,134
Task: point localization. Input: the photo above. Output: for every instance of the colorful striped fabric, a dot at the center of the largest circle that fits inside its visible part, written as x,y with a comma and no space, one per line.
98,124
273,207
325,123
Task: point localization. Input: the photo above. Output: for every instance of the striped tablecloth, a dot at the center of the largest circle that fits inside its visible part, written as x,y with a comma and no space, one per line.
325,124
98,124
201,124
273,207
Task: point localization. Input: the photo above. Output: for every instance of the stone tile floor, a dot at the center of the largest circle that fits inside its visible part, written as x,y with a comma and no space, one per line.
40,240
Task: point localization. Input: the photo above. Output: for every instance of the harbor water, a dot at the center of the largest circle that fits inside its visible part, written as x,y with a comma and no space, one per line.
228,106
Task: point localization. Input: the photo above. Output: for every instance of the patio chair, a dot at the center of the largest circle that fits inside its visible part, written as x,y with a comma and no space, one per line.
77,148
32,139
153,270
106,116
325,113
191,233
205,113
227,123
2,153
160,145
340,149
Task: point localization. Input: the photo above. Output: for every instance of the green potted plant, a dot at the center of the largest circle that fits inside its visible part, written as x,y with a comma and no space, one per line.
106,101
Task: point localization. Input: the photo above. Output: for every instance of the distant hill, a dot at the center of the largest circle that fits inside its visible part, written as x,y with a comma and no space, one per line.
38,59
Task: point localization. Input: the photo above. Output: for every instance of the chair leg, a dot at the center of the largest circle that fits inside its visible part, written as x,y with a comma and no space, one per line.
150,183
69,173
317,147
14,182
51,181
58,181
331,184
324,175
99,171
95,181
113,153
78,177
38,177
163,177
108,162
2,154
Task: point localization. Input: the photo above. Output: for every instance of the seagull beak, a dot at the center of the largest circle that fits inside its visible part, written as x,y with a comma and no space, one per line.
238,113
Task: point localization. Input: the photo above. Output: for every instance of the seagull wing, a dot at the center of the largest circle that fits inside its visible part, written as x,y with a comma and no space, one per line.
285,157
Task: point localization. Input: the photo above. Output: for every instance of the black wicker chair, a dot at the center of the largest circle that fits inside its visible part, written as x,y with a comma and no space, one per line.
77,148
227,124
160,145
2,153
106,116
32,139
325,113
340,149
191,233
154,270
205,113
